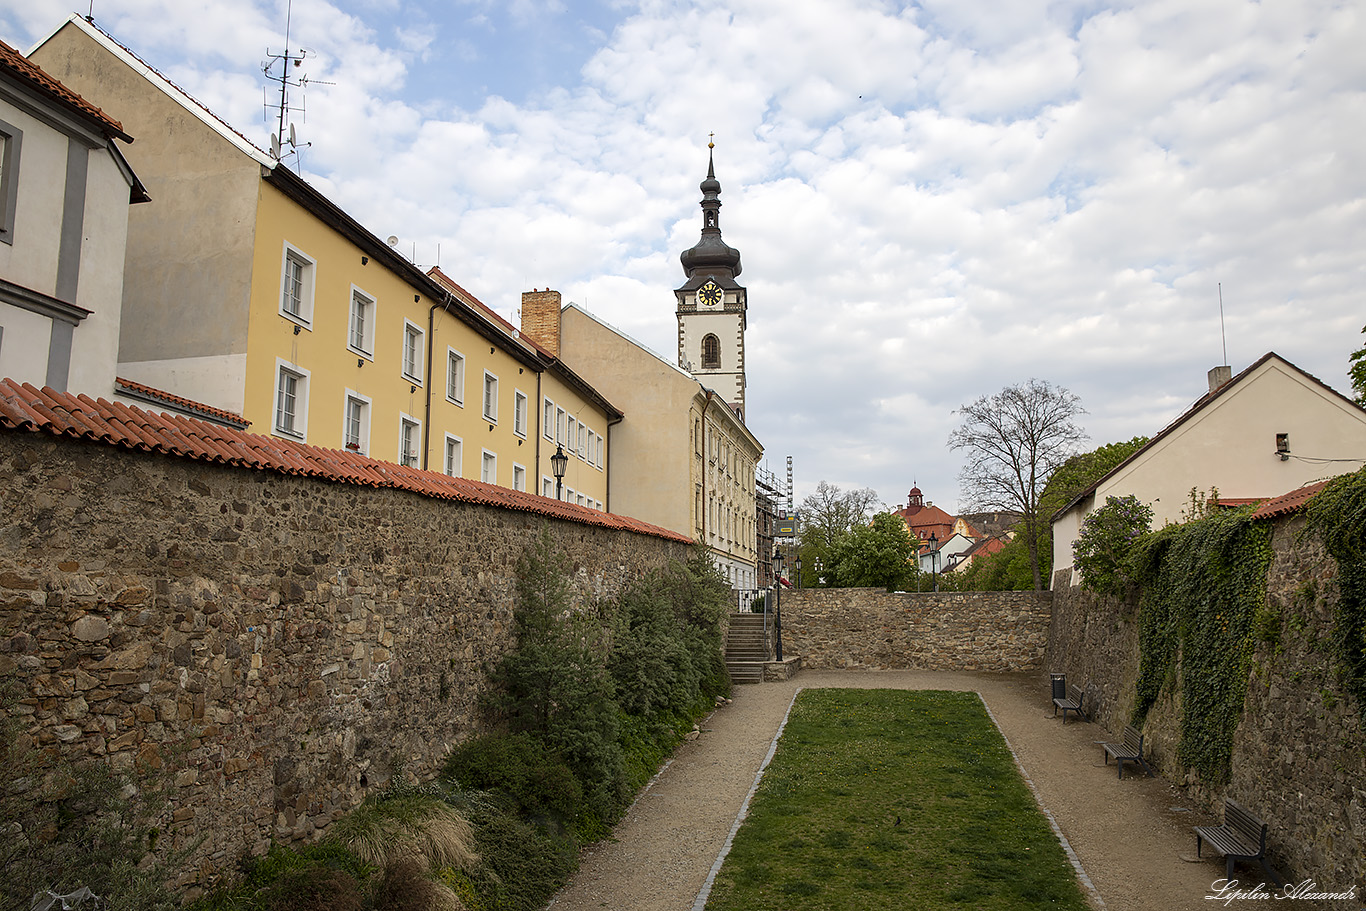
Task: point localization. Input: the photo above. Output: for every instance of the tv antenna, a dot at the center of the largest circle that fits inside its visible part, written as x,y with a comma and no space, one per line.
1223,338
287,60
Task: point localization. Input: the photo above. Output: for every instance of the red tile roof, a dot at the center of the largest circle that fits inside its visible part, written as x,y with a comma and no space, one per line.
167,398
26,408
28,71
1287,503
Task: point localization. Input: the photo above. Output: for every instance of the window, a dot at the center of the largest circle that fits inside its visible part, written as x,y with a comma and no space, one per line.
361,338
455,376
559,426
291,400
571,435
356,423
296,285
711,352
409,437
519,413
518,476
548,421
547,487
454,455
581,499
490,398
583,442
11,138
489,472
412,353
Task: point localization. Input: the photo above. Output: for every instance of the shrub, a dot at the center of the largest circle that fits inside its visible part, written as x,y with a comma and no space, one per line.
519,766
1103,548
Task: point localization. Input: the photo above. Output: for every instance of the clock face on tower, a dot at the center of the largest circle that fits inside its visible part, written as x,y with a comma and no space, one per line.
709,294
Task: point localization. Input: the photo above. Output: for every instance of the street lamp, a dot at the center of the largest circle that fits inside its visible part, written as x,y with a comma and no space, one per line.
799,571
558,463
934,559
777,607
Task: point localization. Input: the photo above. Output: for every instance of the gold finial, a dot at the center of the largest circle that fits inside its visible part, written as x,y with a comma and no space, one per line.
710,144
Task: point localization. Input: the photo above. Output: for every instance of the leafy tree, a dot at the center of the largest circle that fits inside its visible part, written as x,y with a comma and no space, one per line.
1014,440
1007,570
879,554
827,517
1102,549
554,685
1357,372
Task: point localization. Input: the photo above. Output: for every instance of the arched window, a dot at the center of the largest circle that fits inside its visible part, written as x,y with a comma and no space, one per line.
711,352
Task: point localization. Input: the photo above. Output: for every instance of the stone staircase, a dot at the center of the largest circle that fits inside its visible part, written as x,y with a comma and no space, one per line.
746,648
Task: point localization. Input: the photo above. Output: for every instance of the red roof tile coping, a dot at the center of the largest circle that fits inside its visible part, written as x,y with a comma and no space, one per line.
24,407
38,78
1287,503
178,401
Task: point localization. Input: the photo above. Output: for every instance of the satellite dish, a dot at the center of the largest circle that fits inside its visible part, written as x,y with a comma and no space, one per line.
274,146
292,140
392,240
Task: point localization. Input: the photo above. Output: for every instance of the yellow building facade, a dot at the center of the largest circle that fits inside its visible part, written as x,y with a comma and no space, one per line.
251,292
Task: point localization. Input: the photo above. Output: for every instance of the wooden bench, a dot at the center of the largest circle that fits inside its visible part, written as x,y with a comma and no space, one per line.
1070,704
1241,837
1129,750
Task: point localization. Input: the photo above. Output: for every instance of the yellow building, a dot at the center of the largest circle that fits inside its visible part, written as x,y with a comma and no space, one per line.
248,290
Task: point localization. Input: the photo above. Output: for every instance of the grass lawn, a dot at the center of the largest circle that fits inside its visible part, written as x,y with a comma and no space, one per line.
893,799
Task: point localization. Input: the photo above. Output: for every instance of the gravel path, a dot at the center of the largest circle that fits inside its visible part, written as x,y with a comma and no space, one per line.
1129,836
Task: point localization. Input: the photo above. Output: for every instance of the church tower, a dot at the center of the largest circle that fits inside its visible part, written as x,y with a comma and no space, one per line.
711,305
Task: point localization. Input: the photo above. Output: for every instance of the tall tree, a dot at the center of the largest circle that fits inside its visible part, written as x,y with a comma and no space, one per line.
827,517
1014,440
881,553
1357,372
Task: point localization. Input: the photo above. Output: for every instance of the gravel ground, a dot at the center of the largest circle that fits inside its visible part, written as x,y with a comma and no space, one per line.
1129,836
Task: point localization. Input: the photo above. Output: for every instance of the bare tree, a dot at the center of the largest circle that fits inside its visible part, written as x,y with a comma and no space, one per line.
1014,440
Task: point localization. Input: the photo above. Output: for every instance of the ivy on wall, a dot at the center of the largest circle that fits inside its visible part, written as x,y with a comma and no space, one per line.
1202,584
1338,514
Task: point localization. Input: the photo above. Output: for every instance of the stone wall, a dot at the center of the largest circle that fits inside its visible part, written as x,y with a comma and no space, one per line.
872,628
273,645
1299,754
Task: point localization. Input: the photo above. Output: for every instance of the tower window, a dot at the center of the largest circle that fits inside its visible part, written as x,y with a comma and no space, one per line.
711,352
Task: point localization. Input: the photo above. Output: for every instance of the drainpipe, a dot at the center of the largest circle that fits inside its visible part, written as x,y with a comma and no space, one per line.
540,415
607,504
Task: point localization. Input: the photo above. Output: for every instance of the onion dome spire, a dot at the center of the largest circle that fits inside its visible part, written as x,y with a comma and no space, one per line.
710,255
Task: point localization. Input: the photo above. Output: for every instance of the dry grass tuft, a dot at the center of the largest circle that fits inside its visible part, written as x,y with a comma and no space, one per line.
419,828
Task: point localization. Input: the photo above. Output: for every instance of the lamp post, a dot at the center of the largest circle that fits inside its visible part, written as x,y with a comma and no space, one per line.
799,572
820,580
777,602
558,463
934,559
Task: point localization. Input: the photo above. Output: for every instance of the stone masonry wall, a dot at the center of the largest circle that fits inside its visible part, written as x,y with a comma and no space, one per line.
1299,753
274,645
872,628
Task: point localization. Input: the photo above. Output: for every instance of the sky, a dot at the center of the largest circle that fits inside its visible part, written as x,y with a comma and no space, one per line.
932,200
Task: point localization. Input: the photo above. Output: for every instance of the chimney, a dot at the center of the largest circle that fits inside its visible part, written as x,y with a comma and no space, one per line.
541,318
1218,376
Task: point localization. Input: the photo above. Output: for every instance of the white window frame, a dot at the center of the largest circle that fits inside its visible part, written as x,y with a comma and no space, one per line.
485,460
414,331
301,377
366,305
598,446
308,272
569,495
559,425
455,377
490,401
404,420
548,419
10,149
518,477
459,460
547,487
583,441
364,402
519,409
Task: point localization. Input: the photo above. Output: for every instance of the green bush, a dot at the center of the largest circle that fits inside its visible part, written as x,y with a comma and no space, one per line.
1103,548
519,766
